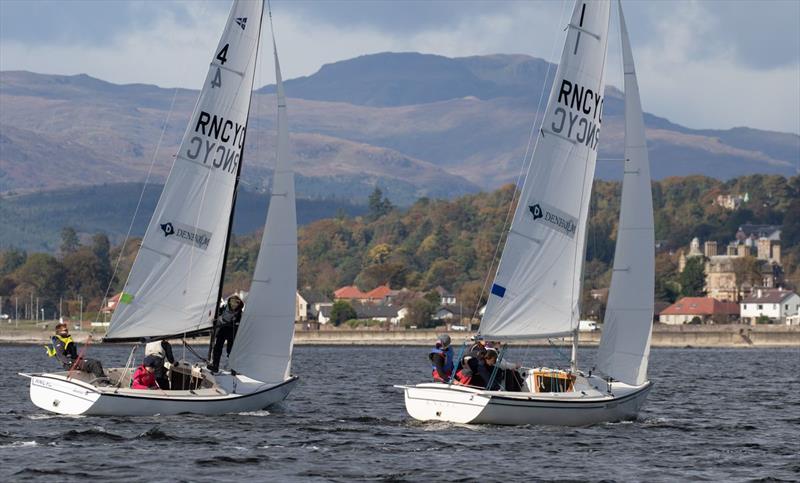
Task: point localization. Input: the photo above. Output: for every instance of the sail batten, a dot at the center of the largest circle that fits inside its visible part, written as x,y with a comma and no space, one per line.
263,348
536,287
625,345
172,285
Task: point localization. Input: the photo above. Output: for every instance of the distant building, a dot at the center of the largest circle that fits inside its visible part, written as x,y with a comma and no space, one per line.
111,304
446,313
393,314
706,310
694,251
350,292
777,305
379,295
309,303
446,298
731,202
599,294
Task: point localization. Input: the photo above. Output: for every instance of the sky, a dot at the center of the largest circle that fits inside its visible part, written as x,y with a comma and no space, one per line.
701,63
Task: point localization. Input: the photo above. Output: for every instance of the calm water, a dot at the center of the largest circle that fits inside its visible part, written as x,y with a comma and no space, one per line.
731,415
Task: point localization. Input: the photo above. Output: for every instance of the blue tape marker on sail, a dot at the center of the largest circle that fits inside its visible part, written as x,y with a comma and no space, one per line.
498,290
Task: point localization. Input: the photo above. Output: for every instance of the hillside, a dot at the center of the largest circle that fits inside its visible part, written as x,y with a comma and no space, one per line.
34,221
413,124
436,242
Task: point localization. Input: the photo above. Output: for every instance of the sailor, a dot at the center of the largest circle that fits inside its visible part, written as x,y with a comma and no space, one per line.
225,328
506,372
161,351
144,377
65,350
441,358
478,346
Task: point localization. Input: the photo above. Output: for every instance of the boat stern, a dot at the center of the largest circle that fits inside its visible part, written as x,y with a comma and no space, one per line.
442,402
58,394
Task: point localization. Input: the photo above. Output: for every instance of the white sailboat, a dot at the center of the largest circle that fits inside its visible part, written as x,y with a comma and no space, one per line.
175,283
536,289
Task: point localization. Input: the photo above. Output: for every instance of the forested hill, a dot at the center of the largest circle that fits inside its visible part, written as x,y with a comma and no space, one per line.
452,243
448,243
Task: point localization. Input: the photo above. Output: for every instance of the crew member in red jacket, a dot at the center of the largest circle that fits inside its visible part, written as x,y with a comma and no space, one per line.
144,377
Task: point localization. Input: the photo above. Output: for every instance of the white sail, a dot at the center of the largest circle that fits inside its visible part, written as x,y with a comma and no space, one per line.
263,347
537,286
173,284
625,345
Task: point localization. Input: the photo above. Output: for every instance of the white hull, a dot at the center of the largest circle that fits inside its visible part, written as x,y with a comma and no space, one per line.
57,393
469,405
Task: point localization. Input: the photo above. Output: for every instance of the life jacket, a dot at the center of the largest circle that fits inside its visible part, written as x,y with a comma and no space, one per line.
448,363
51,349
463,378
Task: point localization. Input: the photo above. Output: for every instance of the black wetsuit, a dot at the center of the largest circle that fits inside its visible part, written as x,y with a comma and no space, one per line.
225,328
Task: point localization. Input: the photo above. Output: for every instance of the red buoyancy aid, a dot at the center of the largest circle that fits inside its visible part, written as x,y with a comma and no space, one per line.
436,377
463,378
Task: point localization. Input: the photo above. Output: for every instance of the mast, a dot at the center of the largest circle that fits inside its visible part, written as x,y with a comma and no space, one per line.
236,185
177,274
264,343
537,285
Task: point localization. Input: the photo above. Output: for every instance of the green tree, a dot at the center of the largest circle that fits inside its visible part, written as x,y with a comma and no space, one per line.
342,312
69,240
101,248
693,278
378,205
11,260
44,274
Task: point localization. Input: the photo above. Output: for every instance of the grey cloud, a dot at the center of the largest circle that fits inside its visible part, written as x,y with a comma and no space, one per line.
42,22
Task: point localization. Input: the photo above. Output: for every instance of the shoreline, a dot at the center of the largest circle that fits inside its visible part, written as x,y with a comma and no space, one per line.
682,336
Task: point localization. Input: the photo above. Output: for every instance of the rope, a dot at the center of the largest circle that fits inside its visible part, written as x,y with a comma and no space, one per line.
187,346
128,365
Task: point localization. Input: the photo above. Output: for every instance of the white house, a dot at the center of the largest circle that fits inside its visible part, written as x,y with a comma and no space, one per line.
393,314
777,305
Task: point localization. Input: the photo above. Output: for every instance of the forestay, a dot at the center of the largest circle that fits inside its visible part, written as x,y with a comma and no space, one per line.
264,341
625,345
172,287
537,285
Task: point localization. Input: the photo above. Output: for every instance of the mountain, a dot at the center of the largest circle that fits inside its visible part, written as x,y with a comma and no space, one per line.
413,124
401,79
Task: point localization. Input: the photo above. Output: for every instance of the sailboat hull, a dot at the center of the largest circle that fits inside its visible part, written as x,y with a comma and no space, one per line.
59,394
467,405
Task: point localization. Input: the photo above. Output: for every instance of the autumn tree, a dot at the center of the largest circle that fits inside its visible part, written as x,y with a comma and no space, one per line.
420,313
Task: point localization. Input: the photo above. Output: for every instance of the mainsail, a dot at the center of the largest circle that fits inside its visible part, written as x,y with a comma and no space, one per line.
263,346
173,284
625,345
537,286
